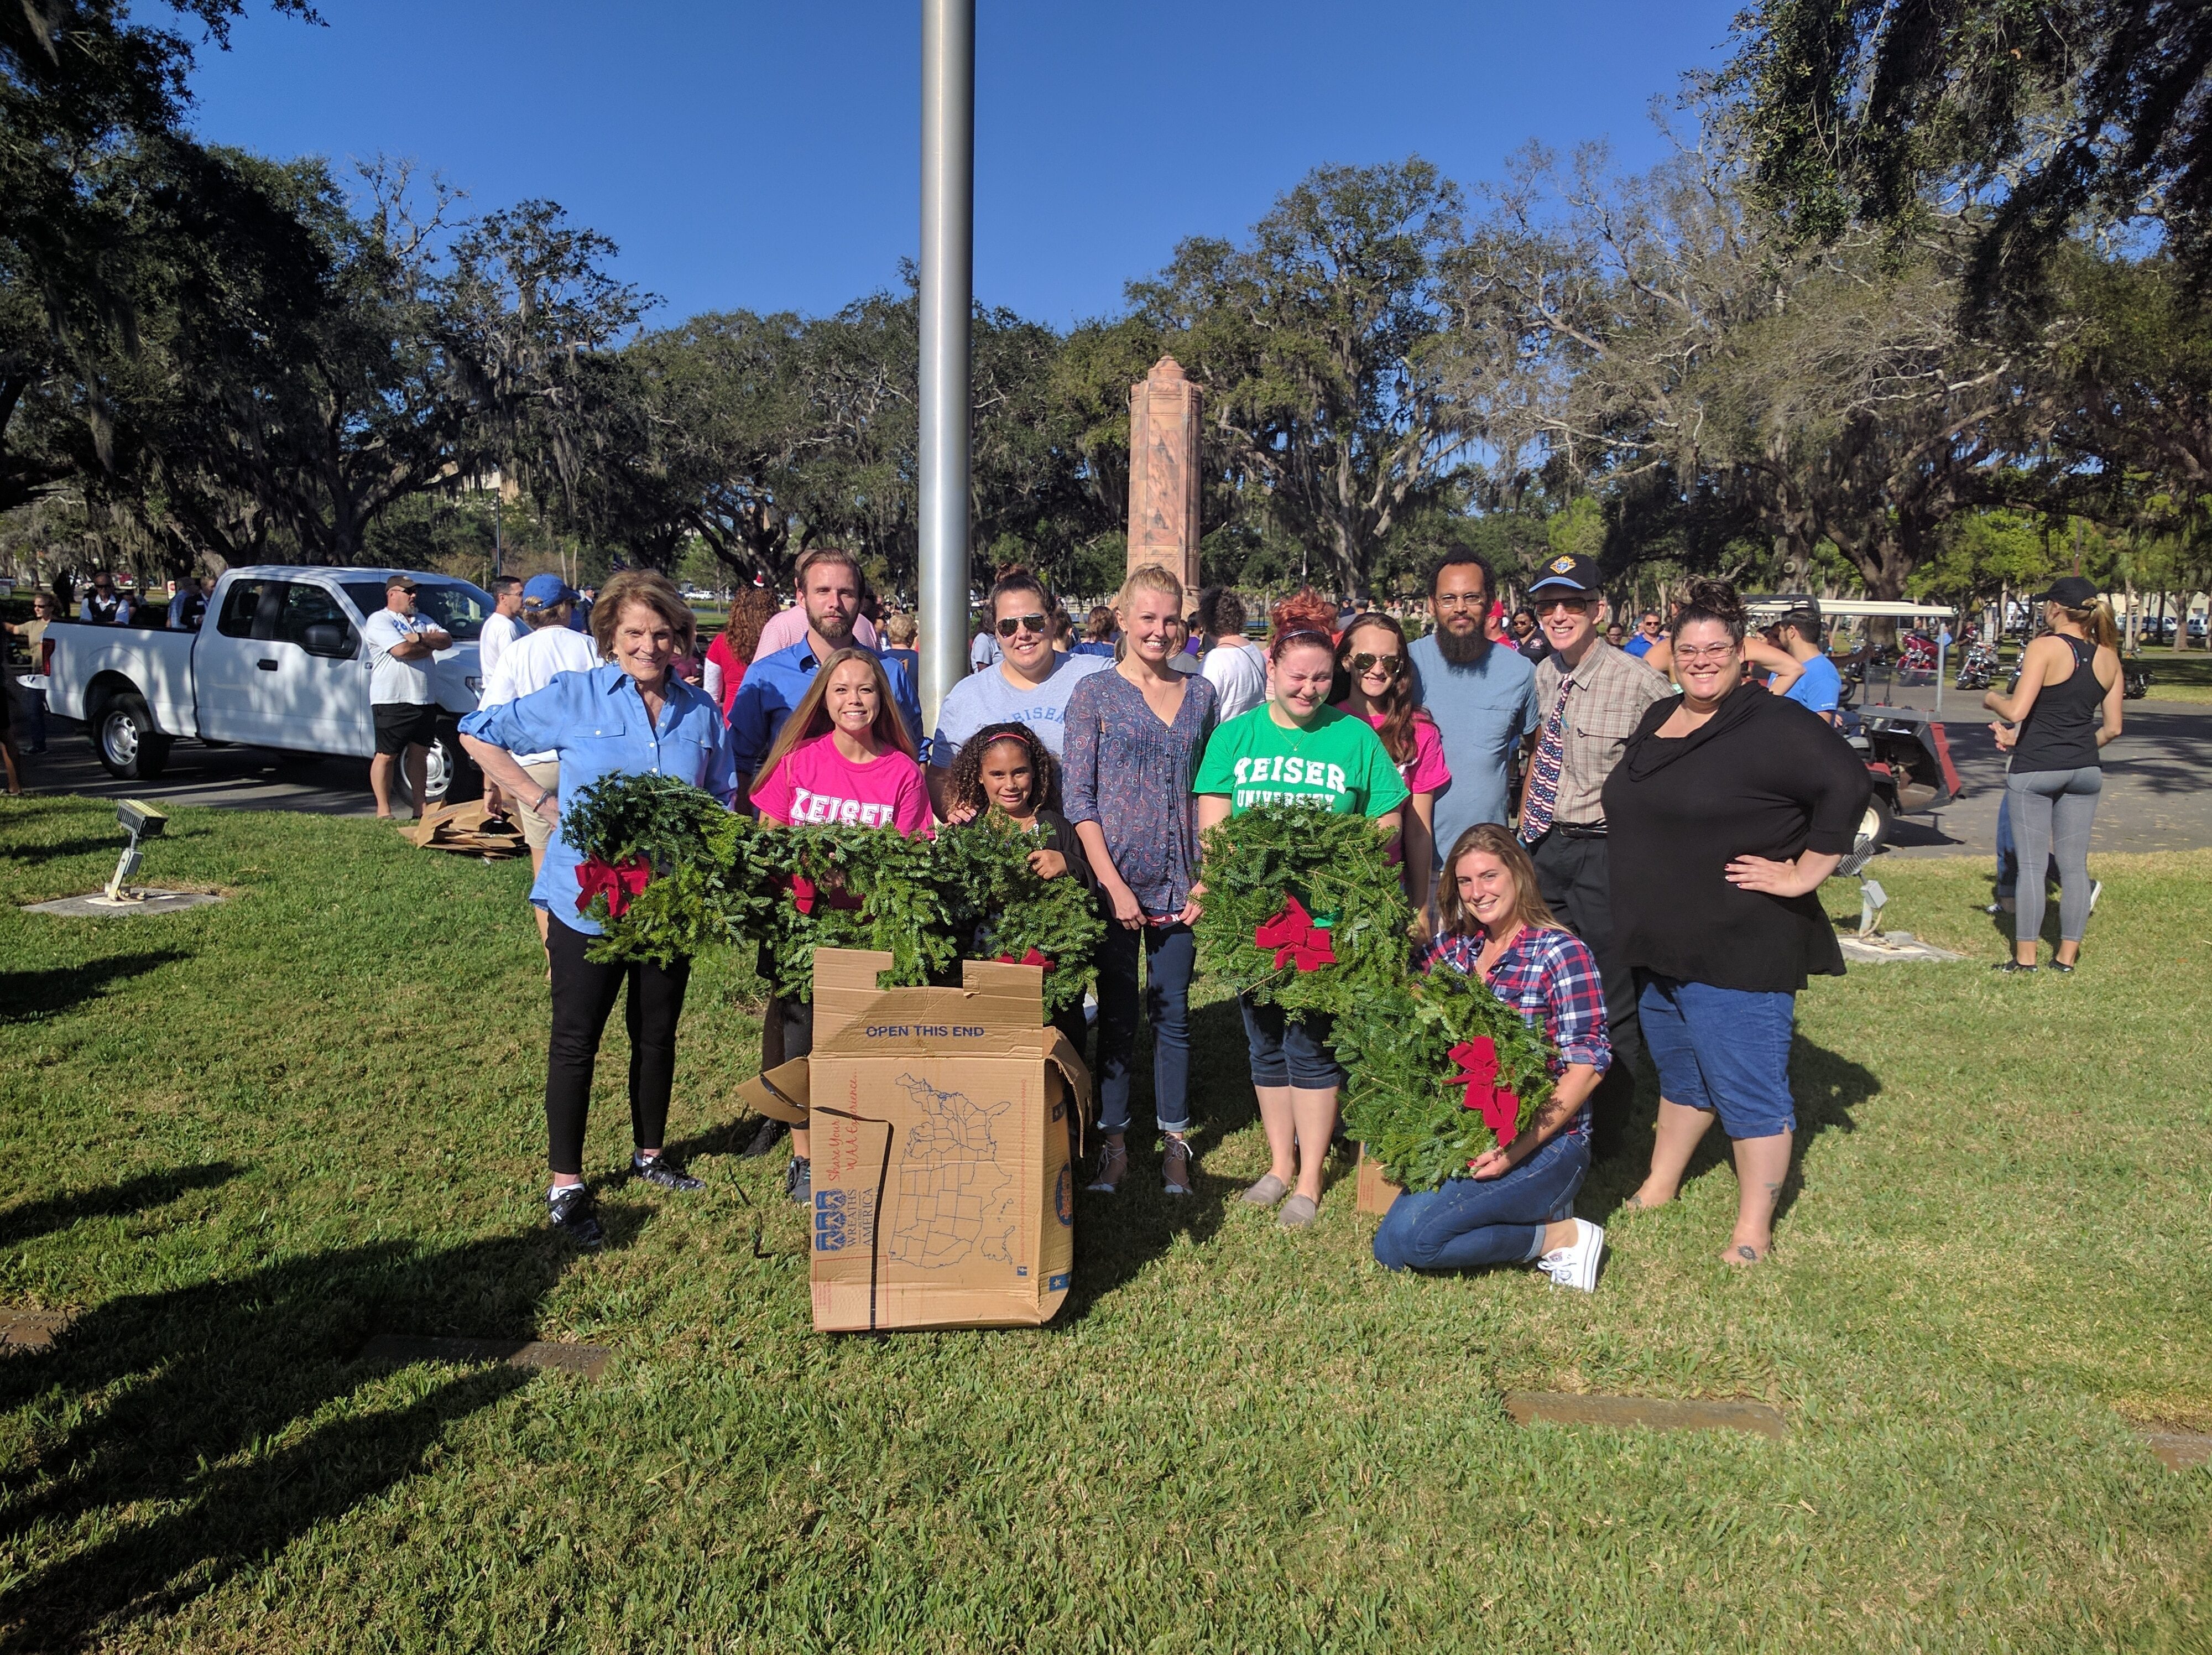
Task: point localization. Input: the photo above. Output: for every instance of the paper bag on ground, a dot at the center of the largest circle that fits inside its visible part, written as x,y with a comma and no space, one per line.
943,1192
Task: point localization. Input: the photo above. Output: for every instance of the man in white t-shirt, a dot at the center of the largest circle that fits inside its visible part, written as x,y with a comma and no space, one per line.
1030,685
405,706
502,626
1235,666
549,648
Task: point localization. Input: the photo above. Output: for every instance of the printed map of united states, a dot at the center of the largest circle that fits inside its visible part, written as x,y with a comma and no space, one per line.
952,1200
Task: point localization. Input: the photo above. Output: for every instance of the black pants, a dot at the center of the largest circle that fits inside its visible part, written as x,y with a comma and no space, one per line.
583,994
1575,876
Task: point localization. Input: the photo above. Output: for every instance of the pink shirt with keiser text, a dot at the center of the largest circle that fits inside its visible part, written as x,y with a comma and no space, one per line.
816,784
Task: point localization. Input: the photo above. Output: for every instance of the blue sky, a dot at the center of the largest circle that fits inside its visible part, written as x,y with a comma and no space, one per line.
765,156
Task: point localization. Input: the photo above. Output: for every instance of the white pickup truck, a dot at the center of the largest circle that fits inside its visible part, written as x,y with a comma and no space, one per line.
277,662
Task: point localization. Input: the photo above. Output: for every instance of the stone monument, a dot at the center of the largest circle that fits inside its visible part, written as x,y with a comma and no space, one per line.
1164,472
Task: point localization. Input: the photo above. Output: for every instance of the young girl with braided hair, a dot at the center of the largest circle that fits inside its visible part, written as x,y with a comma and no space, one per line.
1007,768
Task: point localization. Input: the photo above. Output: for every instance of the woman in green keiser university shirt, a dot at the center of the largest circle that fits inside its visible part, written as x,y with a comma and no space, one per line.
1295,748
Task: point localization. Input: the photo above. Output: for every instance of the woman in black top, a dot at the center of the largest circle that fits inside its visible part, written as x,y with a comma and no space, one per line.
1728,807
2067,707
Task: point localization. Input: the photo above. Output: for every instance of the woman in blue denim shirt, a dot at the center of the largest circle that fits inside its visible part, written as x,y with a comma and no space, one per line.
1514,1205
634,715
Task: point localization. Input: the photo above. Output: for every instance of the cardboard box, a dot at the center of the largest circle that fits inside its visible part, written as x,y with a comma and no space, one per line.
1377,1192
944,1191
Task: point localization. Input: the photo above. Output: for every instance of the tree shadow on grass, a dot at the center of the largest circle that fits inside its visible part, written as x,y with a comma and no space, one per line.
110,845
1116,1236
33,1219
211,1424
26,996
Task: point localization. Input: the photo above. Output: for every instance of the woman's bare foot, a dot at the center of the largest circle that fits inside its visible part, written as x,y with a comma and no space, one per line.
1646,1197
1743,1254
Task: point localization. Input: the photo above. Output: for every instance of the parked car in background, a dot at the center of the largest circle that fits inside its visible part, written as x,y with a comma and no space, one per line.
278,661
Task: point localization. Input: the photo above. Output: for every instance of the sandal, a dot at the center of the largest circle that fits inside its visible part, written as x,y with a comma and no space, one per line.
1113,1163
1174,1166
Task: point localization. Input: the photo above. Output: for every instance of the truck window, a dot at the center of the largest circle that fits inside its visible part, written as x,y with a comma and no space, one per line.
303,607
242,610
460,608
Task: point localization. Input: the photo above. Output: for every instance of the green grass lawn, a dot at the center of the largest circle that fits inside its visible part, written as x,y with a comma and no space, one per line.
2183,676
242,1140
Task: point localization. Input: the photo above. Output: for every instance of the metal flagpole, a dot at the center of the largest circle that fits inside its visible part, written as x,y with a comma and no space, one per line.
948,201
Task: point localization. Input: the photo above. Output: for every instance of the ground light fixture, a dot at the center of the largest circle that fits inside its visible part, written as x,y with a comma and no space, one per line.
141,821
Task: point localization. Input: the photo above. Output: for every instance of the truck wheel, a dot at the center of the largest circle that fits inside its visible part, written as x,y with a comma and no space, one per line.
454,778
123,736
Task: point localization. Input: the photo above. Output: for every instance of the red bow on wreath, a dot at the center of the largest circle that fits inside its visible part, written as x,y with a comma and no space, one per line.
617,881
1295,939
1032,957
1478,1072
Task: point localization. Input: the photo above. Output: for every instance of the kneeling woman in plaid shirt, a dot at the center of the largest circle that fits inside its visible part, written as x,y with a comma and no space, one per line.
1515,1205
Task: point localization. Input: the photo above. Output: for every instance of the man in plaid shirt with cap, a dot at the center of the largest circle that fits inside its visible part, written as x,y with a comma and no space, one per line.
1590,698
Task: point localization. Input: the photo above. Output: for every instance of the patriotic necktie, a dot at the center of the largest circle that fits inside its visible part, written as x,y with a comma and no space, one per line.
1544,773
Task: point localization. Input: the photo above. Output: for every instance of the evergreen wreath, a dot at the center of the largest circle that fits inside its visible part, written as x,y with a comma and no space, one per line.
901,907
1439,1070
1001,909
668,871
1302,908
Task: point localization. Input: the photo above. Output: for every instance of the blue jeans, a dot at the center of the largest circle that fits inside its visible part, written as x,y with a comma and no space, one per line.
1722,1049
1290,1049
1170,956
1472,1222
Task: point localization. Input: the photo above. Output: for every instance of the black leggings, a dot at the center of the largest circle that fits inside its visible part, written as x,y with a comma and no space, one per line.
583,994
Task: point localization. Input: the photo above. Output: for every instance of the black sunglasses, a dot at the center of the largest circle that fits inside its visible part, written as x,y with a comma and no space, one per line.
1013,623
1363,664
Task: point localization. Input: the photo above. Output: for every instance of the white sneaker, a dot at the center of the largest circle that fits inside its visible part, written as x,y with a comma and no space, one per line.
2096,890
1576,1265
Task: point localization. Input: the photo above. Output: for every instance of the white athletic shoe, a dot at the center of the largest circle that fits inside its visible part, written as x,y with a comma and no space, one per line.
2096,890
1576,1265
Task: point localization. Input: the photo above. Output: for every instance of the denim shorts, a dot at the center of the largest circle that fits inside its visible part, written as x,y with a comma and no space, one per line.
1722,1049
1290,1049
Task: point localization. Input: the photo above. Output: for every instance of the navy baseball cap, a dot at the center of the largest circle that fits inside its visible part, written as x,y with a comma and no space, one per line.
547,591
1566,572
2068,592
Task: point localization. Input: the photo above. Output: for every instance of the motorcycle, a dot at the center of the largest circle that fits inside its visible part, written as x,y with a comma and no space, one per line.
2134,681
1978,666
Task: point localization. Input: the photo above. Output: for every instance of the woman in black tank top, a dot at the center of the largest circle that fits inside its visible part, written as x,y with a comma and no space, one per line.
2065,708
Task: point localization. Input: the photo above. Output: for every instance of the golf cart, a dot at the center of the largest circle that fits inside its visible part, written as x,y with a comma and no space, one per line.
1907,756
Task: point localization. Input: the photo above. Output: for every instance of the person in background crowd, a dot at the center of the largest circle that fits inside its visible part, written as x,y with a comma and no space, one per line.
502,626
1063,629
1343,769
1614,635
1483,698
2067,706
1134,738
547,648
1030,685
844,757
1728,809
984,651
828,582
32,702
1098,634
104,606
1527,638
189,607
404,705
899,634
785,627
1370,684
751,608
1818,688
1592,697
1648,632
1235,666
1008,768
1182,660
1515,1204
630,714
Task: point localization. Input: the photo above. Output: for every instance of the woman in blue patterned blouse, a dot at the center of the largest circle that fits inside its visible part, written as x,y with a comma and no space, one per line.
1516,1205
1132,743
